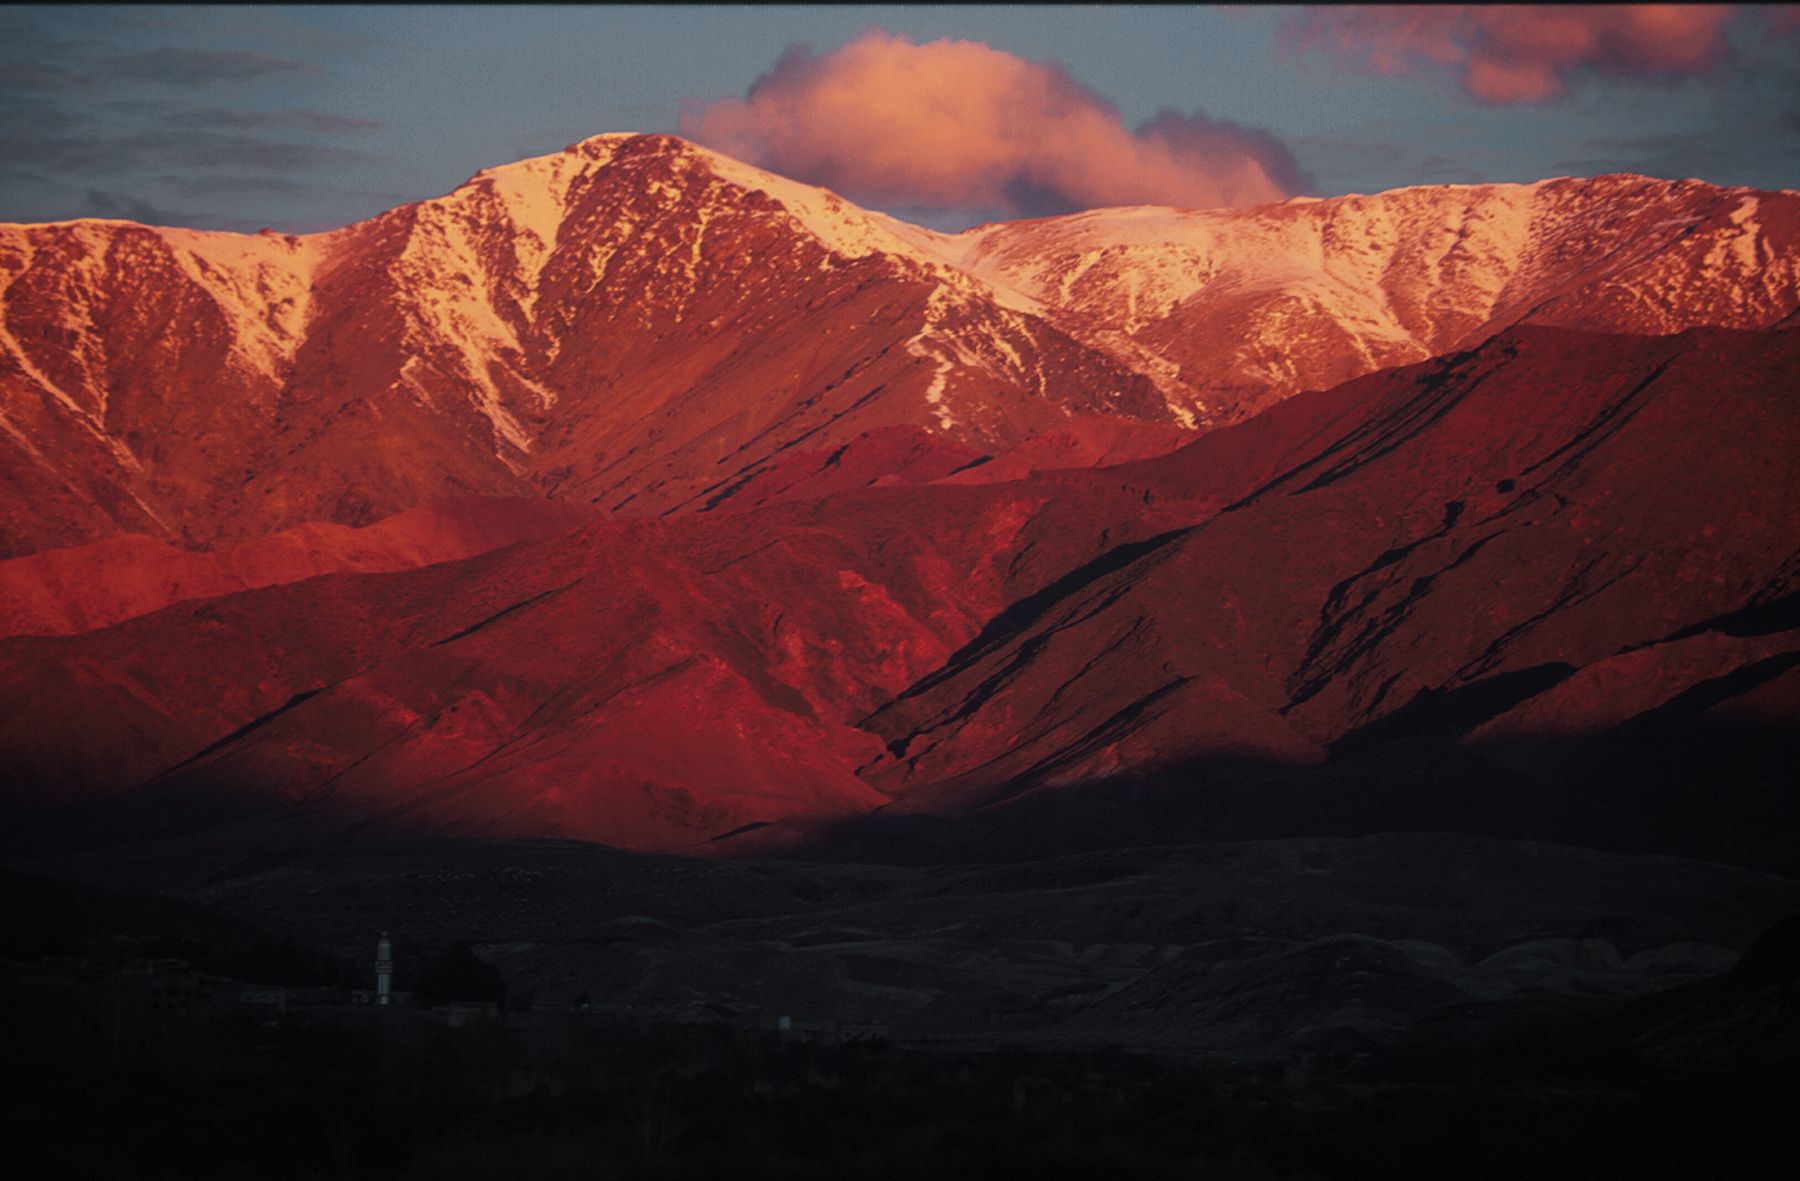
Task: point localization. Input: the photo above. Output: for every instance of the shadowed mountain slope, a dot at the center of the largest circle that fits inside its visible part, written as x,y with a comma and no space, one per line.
1439,542
1475,542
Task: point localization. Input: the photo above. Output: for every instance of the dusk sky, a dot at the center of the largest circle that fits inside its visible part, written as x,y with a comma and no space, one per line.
305,118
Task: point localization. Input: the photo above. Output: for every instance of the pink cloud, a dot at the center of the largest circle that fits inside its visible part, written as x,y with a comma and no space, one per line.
961,125
1509,54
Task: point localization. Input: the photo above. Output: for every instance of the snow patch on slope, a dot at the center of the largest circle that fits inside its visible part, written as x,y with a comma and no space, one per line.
852,232
841,227
443,270
532,196
83,279
263,285
1743,245
1132,267
92,420
928,344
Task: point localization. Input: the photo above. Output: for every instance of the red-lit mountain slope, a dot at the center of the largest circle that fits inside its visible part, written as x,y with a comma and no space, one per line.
1242,307
1520,519
1507,527
632,323
60,592
639,682
639,324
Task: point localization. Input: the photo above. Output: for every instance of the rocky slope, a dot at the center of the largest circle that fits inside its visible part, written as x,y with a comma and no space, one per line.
647,683
1243,307
1524,525
64,591
648,327
633,323
1491,540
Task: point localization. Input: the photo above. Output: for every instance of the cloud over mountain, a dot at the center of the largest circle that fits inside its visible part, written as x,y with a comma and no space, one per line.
1512,54
962,125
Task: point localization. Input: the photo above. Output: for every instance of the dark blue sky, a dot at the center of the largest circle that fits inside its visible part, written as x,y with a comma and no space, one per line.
309,117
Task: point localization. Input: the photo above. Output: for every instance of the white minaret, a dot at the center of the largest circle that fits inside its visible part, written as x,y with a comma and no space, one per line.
384,969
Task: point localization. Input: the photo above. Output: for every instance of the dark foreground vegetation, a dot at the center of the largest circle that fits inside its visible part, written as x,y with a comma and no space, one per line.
403,1095
153,1037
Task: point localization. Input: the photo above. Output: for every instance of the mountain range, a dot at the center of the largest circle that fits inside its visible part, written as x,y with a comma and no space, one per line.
637,495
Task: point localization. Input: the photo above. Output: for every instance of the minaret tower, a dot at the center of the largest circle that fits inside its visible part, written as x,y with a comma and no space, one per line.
384,969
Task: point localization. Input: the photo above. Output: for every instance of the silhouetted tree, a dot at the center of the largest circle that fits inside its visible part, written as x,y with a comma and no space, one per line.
459,975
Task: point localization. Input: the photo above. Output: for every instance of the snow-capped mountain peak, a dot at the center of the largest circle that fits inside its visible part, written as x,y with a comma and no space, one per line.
645,324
